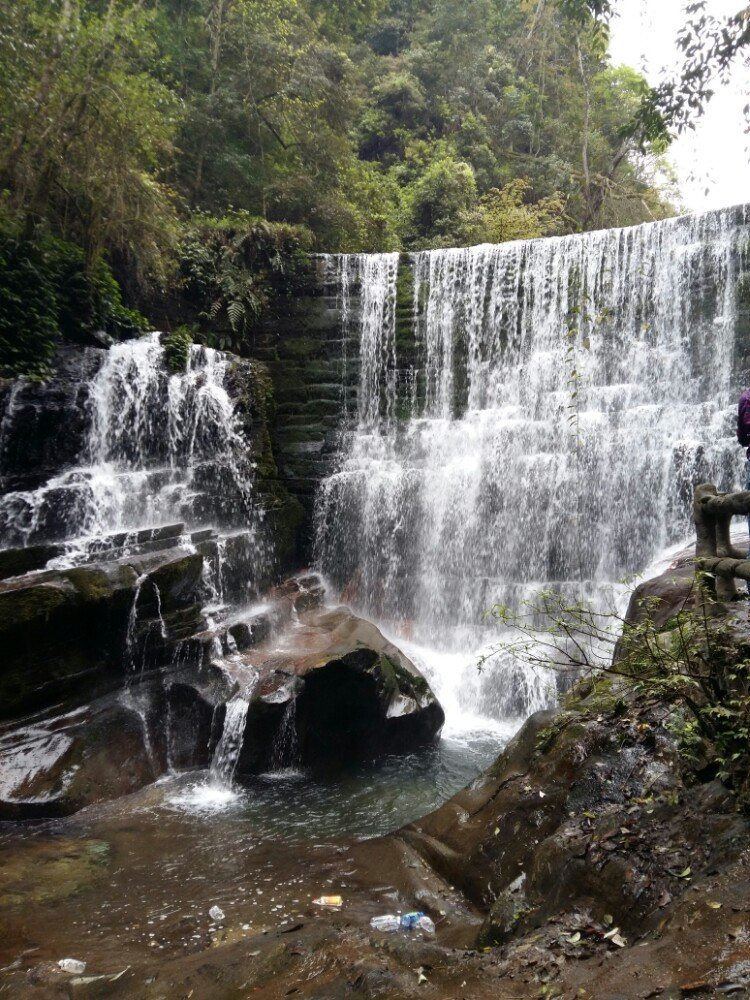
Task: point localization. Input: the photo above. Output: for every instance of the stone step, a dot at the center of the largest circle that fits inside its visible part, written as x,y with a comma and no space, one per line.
105,548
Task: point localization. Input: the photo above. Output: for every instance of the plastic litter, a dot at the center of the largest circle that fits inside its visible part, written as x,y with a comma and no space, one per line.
216,913
388,922
397,922
329,901
72,965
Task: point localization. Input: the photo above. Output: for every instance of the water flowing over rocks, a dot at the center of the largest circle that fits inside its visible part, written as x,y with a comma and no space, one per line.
443,430
531,413
333,690
129,557
130,681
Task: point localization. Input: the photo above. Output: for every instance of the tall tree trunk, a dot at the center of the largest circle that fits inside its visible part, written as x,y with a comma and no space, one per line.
216,22
586,128
44,90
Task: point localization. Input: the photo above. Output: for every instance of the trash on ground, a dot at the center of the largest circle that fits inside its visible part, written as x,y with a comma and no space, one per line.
329,901
216,913
394,922
388,922
72,965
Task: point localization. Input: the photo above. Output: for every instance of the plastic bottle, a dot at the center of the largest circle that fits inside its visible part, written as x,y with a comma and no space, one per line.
409,920
388,922
73,965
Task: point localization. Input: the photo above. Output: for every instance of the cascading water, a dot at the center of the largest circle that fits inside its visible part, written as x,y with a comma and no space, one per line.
227,752
557,400
156,445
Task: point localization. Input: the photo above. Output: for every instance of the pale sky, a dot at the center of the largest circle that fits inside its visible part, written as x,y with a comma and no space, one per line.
713,163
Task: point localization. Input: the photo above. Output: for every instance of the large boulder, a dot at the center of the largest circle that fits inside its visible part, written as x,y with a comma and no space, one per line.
55,764
588,818
330,689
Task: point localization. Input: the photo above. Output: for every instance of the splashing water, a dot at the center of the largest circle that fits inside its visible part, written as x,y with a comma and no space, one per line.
227,753
560,397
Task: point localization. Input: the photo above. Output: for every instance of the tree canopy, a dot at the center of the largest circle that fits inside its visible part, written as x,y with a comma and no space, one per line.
375,124
131,127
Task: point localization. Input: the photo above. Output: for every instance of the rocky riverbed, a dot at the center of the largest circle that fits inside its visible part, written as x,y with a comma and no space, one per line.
580,864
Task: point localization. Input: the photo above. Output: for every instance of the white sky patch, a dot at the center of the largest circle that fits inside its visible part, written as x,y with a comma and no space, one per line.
712,162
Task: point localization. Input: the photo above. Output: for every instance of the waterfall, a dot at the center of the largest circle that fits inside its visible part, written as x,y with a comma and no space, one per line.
160,449
226,755
556,401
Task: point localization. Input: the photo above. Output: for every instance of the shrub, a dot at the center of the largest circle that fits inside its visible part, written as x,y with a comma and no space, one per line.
696,664
177,346
48,292
231,267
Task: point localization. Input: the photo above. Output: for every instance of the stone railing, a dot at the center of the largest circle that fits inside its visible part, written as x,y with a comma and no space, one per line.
714,552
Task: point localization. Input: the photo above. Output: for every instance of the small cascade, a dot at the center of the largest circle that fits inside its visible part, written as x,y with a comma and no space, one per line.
227,752
216,566
130,635
160,448
162,624
132,638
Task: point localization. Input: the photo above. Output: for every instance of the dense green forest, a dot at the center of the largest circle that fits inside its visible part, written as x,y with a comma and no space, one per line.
201,144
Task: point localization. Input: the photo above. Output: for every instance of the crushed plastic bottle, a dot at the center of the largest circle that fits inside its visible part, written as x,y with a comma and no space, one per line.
403,922
72,965
216,913
388,922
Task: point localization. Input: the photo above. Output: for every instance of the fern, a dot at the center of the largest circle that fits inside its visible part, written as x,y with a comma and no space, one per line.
236,314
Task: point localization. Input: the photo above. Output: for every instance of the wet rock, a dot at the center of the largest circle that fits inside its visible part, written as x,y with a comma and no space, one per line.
338,692
191,715
16,562
66,632
47,431
505,915
55,767
595,810
661,597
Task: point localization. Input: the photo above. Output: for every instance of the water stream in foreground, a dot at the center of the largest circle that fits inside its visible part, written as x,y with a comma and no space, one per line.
143,871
